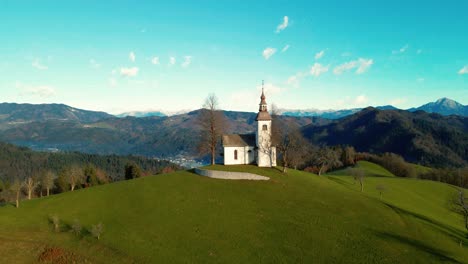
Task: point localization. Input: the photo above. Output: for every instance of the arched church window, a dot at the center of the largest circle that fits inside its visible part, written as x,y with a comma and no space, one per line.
235,154
265,128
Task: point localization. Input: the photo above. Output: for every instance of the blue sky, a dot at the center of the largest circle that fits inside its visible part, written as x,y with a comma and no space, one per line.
120,56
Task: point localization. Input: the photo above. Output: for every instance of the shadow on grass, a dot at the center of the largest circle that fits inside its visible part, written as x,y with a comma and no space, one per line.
339,181
438,254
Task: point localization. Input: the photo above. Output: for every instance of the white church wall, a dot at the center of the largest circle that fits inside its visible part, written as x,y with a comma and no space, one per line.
243,155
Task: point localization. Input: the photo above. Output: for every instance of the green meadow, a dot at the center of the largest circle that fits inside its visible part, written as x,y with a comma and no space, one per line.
296,217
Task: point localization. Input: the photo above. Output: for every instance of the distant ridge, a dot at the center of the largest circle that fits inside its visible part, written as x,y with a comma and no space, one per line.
443,106
24,113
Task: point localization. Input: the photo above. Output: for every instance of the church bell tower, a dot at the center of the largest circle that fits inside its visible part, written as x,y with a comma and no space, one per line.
266,152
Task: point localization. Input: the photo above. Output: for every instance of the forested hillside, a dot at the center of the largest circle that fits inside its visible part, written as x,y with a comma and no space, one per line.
21,162
420,137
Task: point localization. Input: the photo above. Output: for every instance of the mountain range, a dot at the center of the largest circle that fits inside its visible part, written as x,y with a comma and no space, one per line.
443,106
425,138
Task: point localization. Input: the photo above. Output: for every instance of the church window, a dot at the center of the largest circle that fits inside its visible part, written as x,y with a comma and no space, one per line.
235,154
265,127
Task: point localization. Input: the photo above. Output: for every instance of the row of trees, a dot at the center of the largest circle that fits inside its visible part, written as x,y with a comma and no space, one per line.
68,179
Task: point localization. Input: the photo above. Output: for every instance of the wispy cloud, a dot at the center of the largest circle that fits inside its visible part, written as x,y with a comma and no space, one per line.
36,64
129,72
93,64
155,60
268,52
464,70
346,54
319,55
361,64
132,56
397,101
361,99
285,48
420,80
43,91
419,51
187,61
283,25
172,61
318,69
401,50
296,78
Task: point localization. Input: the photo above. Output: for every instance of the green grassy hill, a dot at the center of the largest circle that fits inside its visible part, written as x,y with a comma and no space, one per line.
294,218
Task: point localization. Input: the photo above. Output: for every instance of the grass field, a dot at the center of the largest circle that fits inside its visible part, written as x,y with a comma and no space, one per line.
294,218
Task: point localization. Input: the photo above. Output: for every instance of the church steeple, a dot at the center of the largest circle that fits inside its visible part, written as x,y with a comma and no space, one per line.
263,110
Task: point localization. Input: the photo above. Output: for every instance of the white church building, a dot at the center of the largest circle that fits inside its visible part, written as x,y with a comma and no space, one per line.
252,148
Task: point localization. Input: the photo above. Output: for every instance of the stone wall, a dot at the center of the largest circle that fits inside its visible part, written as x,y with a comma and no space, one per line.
229,175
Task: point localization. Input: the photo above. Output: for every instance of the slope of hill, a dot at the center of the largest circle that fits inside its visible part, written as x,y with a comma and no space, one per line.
429,139
444,106
12,113
298,218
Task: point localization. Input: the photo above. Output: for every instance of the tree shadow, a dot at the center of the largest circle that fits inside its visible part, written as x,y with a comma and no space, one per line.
340,181
438,254
452,232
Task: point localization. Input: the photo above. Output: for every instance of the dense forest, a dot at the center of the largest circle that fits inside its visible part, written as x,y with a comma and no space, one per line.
21,162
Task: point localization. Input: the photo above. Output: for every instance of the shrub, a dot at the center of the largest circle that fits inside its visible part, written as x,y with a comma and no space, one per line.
76,227
96,230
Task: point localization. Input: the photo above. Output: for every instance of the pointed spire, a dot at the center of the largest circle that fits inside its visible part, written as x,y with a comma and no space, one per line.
263,94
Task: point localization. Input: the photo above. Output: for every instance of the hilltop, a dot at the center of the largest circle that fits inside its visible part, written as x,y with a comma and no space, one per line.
294,218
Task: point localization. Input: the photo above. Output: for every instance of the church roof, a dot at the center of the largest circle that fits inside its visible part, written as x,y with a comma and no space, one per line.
236,140
263,116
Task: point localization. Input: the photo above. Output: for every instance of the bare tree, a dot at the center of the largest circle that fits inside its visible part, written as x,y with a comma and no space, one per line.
47,181
30,184
461,203
96,230
290,143
358,175
75,176
15,187
381,188
327,158
212,124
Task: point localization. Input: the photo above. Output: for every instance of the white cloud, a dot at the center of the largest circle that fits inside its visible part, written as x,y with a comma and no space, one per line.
397,101
319,55
187,61
155,60
419,51
36,64
132,56
42,91
361,64
112,82
464,70
364,65
420,80
294,80
318,69
129,72
401,50
268,52
344,67
361,99
270,89
172,61
285,48
94,64
283,25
